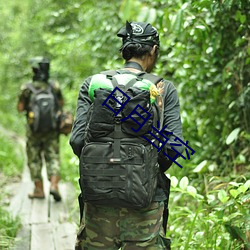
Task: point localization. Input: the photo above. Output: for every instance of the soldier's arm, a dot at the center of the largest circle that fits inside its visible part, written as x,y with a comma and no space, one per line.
172,120
80,122
22,102
20,106
172,117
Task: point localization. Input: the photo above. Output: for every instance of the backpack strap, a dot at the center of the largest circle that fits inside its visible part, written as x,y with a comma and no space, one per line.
35,90
117,132
32,88
153,78
109,73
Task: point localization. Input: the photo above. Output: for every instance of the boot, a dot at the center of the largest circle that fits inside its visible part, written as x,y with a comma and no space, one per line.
38,191
54,179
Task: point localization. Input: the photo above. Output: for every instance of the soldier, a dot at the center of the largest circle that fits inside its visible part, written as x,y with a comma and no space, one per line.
109,226
42,132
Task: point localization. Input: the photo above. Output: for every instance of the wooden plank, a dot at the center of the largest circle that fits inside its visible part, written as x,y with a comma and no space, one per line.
42,237
58,211
39,211
70,196
71,202
61,211
22,240
64,235
20,196
24,212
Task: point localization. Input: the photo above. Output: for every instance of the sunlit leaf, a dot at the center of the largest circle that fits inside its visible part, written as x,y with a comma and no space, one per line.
192,190
247,184
234,192
222,196
174,181
183,183
232,136
242,189
200,167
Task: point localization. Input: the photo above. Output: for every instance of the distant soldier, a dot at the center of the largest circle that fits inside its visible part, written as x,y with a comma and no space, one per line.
42,101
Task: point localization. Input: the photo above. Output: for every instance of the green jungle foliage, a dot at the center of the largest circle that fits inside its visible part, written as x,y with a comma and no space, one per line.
205,52
11,164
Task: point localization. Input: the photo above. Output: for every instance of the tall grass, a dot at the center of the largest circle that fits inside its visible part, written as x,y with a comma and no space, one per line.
8,229
11,164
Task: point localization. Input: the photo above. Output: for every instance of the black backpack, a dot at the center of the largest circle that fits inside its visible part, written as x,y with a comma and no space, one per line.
43,109
118,164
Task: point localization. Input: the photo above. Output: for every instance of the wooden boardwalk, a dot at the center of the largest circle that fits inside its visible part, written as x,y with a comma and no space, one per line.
46,224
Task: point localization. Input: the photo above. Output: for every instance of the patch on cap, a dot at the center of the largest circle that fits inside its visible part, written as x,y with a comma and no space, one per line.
137,29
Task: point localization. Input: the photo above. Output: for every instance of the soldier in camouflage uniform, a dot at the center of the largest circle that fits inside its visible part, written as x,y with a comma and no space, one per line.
42,145
113,228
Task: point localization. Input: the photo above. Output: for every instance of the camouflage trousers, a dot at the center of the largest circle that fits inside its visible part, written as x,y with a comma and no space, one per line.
43,149
122,228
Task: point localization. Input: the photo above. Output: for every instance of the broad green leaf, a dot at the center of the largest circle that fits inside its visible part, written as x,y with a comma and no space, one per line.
174,181
234,192
247,184
222,196
184,183
242,189
199,168
192,190
232,136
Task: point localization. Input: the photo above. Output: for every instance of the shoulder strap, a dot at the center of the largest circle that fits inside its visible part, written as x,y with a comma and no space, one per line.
51,85
153,78
109,73
32,88
35,91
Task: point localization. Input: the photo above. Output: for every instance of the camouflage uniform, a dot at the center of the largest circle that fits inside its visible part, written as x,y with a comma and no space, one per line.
39,145
107,228
49,145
